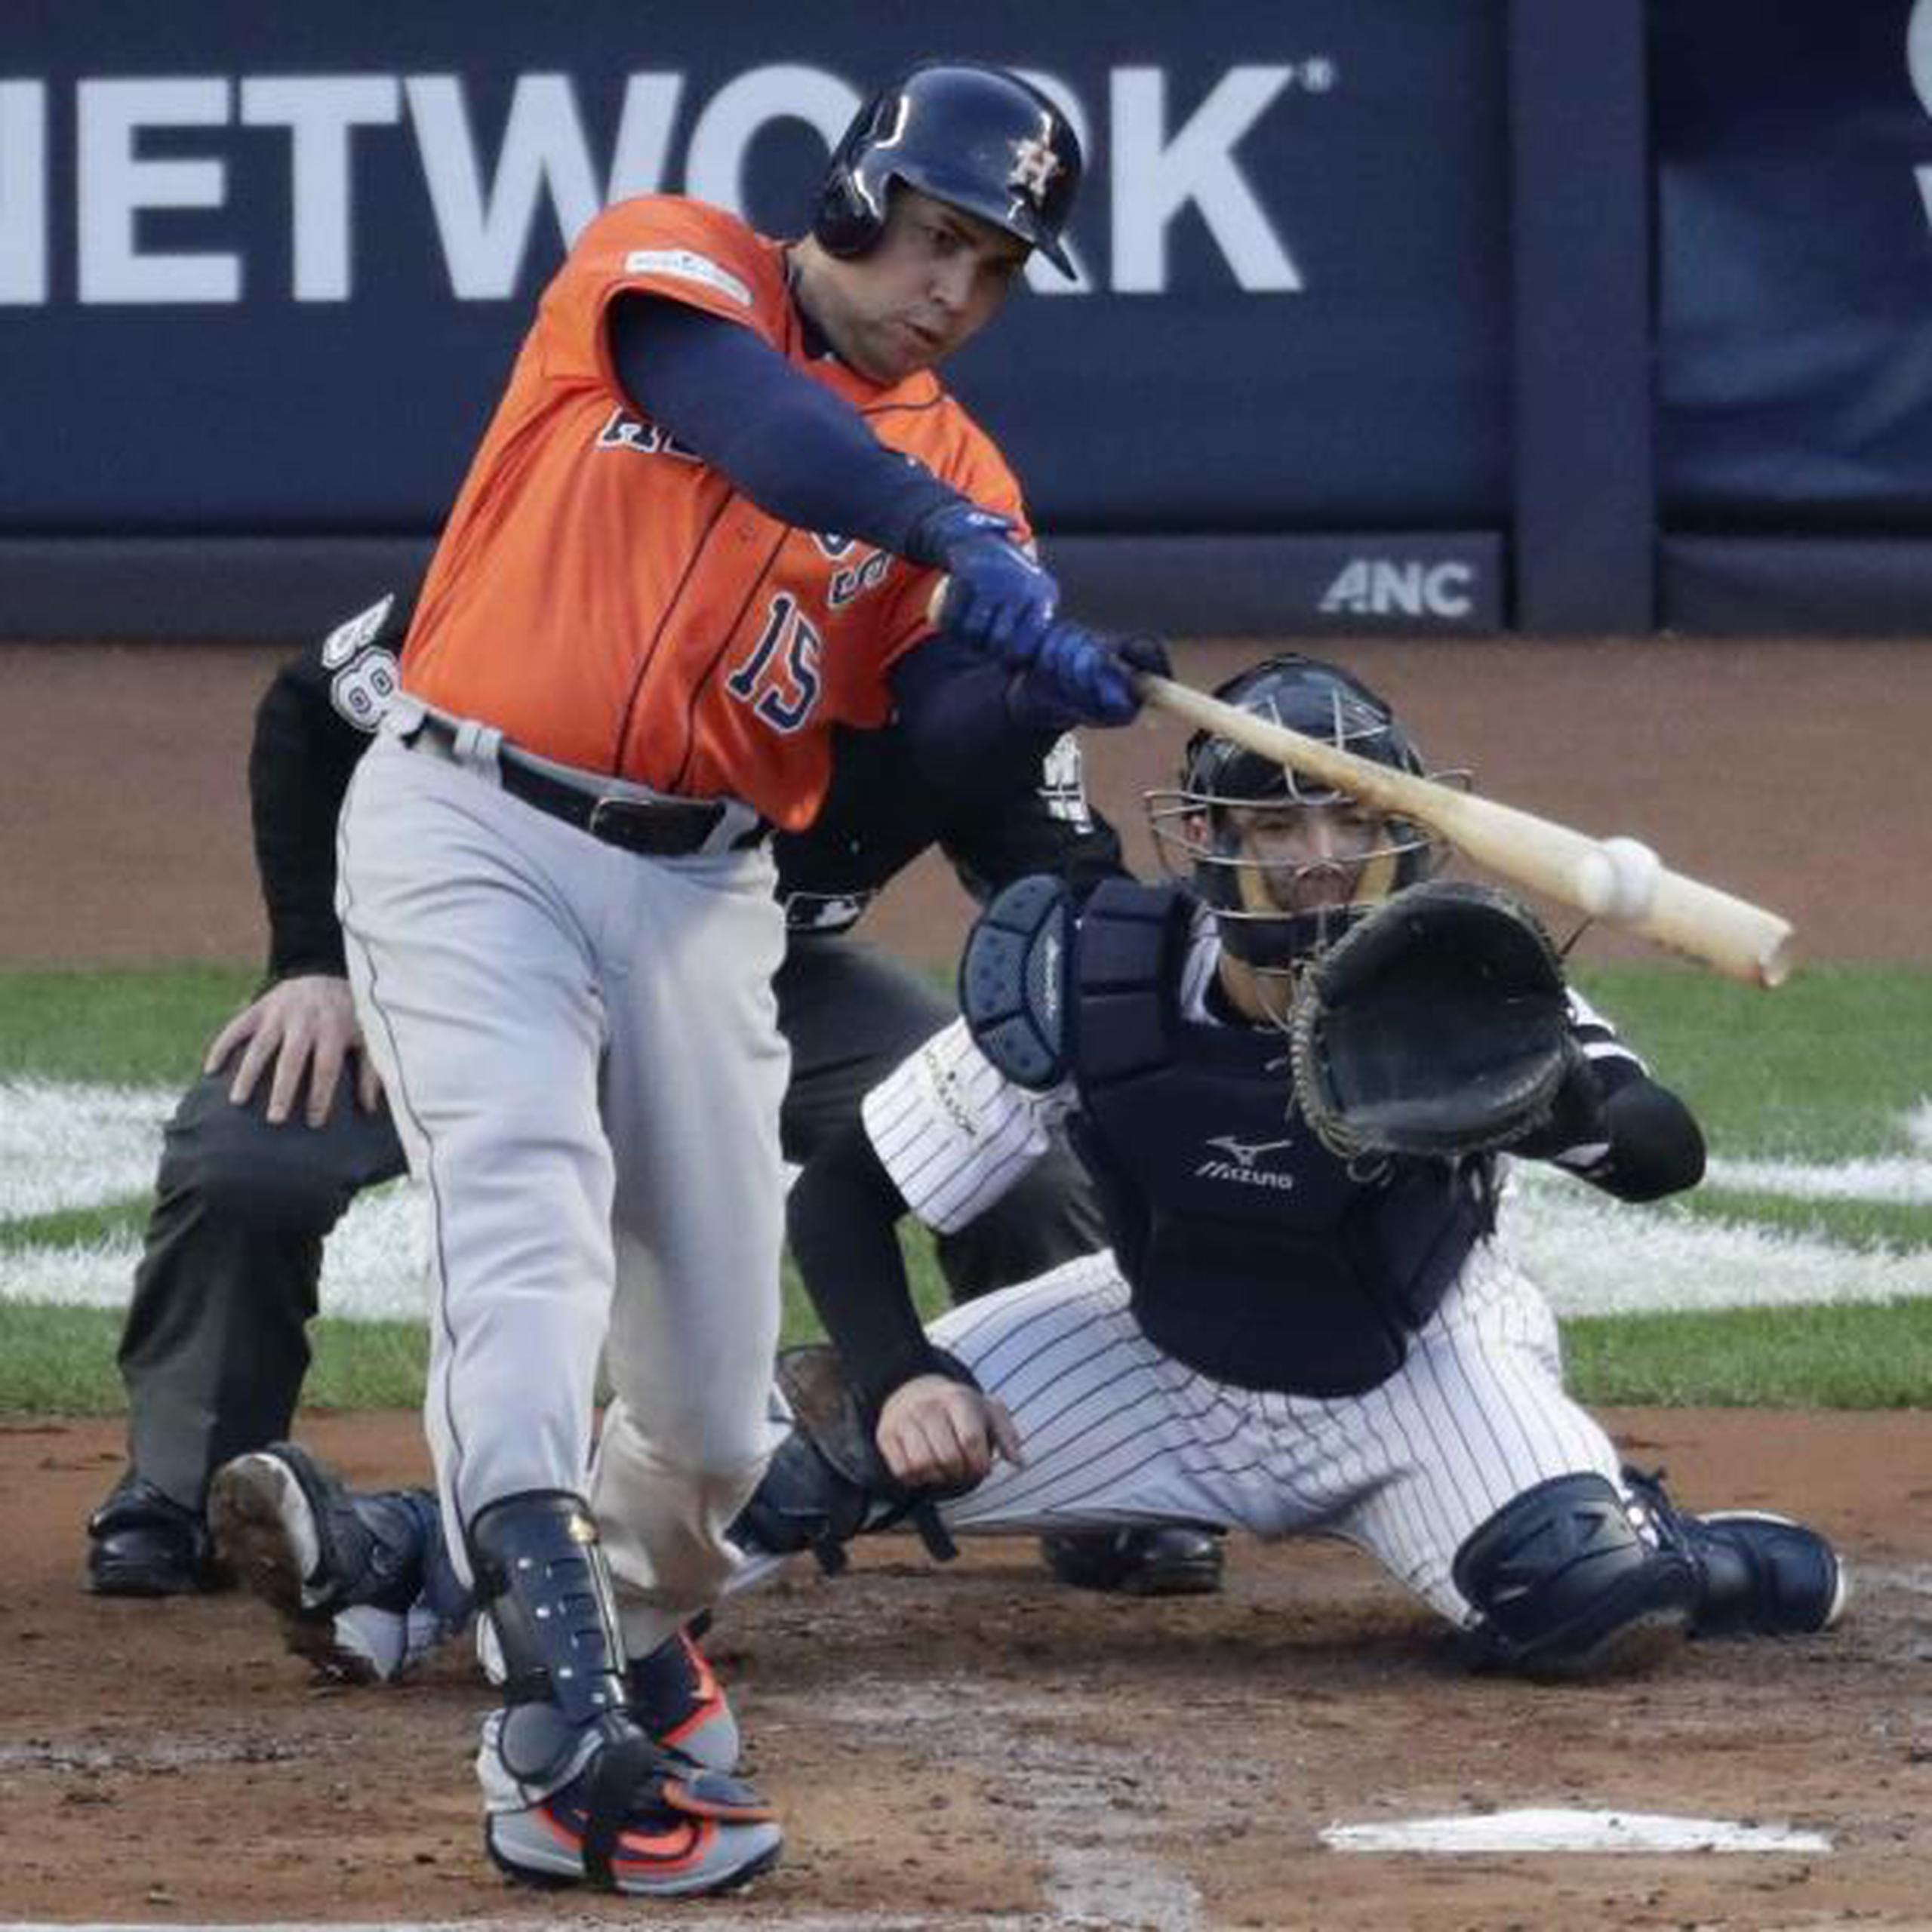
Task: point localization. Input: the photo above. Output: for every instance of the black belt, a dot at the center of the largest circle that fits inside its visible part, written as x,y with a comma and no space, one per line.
657,828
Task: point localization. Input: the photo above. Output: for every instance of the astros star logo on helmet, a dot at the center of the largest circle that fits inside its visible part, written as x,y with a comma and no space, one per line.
1035,164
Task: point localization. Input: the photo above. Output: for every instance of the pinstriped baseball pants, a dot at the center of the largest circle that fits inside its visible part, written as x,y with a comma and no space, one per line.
1115,1431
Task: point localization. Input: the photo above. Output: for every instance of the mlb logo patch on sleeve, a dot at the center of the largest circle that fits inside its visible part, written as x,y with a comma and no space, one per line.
686,266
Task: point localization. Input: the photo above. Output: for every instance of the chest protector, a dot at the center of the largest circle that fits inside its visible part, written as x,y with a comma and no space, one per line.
1253,1254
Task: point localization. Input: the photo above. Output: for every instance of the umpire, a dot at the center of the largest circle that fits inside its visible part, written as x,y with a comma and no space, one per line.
216,1347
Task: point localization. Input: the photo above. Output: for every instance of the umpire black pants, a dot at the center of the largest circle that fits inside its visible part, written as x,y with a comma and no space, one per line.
216,1344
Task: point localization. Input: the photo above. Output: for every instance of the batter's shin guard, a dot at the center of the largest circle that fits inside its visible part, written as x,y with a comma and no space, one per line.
540,1576
574,1792
1566,1585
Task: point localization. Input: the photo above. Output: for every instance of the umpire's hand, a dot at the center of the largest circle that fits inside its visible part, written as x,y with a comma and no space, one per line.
935,1432
303,1025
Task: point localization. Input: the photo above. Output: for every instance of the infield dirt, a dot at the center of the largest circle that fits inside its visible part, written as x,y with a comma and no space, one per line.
950,1746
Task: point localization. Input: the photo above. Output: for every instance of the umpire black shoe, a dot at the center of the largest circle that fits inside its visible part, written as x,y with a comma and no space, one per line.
1759,1574
143,1544
1165,1560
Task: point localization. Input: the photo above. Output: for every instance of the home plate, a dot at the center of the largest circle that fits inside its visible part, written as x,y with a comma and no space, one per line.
1555,1830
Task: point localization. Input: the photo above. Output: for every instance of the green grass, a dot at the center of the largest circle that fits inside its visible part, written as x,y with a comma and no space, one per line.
1818,1071
1809,1073
72,1226
1862,1224
120,1024
60,1360
1865,1358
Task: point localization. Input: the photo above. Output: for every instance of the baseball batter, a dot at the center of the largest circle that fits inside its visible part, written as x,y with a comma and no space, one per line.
268,1147
1281,1339
699,534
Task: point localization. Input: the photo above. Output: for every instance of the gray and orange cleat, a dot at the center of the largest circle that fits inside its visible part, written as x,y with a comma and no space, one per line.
574,1792
674,1695
1759,1574
625,1815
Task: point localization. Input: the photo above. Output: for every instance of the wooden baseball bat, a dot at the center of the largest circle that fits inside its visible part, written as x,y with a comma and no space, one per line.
1615,880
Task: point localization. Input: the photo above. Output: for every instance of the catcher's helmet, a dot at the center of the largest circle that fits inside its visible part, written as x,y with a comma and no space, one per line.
1199,844
977,137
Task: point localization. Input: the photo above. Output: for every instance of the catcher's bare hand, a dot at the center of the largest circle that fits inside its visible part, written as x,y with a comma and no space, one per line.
306,1025
933,1431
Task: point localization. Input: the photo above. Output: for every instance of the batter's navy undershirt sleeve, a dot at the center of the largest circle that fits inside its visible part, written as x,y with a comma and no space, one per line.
954,718
842,1219
801,453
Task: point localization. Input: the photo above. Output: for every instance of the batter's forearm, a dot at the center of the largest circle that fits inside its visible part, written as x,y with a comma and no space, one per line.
842,1222
952,717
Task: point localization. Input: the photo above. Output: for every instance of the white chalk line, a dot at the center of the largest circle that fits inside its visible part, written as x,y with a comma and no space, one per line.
704,1914
66,1147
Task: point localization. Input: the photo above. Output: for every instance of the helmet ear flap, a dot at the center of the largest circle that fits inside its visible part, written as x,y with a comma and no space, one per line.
844,225
847,222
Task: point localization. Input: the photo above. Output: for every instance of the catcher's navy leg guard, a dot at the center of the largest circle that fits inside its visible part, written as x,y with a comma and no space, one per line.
1567,1585
576,1791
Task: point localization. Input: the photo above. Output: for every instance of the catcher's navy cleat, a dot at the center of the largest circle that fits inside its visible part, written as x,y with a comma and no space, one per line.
1759,1574
142,1543
353,1577
1166,1560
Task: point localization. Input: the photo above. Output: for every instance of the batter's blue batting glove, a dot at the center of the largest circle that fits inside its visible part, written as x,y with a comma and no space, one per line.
1092,676
1035,702
1000,600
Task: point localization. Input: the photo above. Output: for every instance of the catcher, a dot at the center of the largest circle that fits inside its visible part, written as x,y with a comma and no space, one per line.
1290,1075
1291,1078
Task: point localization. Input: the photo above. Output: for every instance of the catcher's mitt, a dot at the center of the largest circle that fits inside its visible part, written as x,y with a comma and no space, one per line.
1437,1025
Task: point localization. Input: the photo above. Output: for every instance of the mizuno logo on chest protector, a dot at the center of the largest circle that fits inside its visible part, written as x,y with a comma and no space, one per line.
1241,1167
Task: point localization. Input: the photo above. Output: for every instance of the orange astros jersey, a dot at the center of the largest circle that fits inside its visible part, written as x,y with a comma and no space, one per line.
606,599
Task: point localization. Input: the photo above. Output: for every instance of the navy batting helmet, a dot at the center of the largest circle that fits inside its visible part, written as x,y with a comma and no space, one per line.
974,137
1199,843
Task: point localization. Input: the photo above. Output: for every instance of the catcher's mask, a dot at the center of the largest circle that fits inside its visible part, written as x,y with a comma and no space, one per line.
1276,911
975,136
